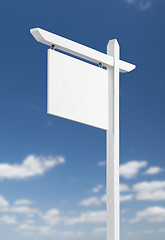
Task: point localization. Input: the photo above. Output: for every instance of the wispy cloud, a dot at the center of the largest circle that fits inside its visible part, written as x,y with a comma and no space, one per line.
124,188
141,232
128,170
92,201
50,123
23,202
99,230
97,188
131,169
87,217
6,207
151,214
3,203
153,170
8,219
142,4
52,217
95,201
26,227
35,108
124,198
101,163
45,230
153,191
31,166
23,210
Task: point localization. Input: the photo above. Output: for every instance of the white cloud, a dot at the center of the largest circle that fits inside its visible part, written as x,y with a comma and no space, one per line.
124,188
31,166
99,230
8,219
124,198
18,209
30,221
149,186
95,201
52,217
45,230
71,233
153,191
3,203
142,4
24,210
97,188
87,217
153,196
153,170
130,1
27,227
141,232
103,199
101,163
131,169
151,214
90,201
23,202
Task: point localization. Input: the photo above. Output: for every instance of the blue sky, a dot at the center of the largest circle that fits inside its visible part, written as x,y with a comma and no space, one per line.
52,172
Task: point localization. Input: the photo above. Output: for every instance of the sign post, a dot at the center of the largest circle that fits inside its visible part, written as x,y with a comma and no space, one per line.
112,161
89,94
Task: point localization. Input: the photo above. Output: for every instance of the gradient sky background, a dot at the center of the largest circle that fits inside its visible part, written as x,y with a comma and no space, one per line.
52,170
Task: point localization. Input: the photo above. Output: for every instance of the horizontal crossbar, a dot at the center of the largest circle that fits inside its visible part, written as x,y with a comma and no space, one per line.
78,50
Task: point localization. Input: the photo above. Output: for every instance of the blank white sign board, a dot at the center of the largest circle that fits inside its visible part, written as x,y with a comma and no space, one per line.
77,90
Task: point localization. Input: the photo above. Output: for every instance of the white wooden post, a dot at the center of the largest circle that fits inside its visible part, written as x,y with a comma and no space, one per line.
112,164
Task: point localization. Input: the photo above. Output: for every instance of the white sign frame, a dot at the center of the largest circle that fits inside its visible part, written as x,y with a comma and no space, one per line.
114,66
